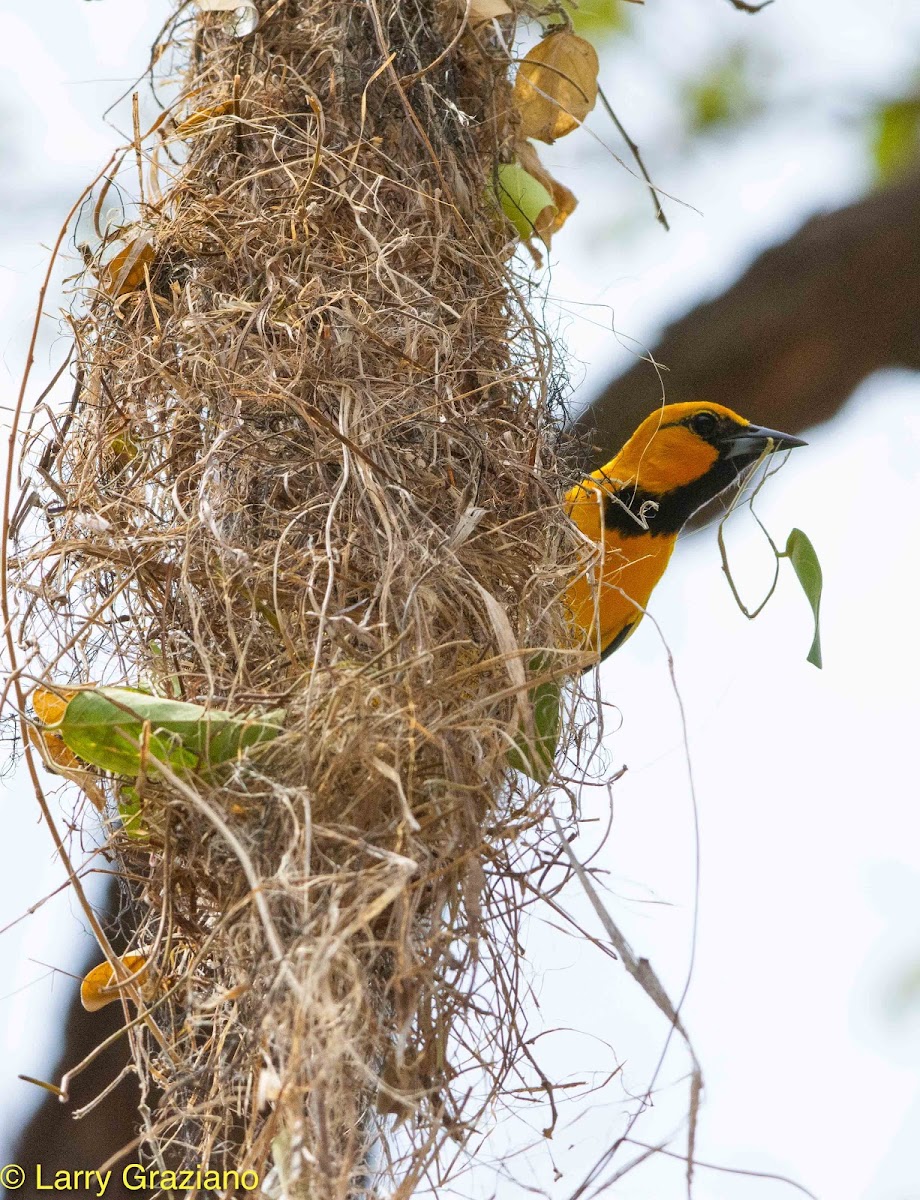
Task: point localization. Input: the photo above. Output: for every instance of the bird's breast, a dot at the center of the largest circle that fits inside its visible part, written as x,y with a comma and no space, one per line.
612,591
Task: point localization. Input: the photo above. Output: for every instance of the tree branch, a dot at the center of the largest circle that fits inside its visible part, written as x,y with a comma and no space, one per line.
789,342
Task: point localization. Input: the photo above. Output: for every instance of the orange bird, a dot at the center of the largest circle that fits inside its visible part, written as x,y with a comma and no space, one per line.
633,508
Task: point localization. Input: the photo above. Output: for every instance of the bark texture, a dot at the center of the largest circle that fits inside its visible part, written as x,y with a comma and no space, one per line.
51,1137
789,342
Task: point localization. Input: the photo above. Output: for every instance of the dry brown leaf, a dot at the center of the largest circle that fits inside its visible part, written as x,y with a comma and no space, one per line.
549,221
59,757
57,753
100,987
556,86
487,10
125,272
400,1082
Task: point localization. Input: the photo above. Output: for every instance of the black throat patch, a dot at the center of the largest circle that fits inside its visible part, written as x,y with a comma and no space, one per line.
632,511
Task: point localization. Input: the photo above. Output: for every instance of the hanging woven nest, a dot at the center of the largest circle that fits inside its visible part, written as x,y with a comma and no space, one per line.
297,576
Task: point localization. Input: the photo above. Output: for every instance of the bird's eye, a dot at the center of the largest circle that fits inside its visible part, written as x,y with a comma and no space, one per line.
703,424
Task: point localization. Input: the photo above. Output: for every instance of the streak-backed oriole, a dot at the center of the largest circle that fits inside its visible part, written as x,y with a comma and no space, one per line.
633,508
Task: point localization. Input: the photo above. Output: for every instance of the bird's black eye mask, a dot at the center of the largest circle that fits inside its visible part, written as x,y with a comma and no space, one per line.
704,424
734,440
710,427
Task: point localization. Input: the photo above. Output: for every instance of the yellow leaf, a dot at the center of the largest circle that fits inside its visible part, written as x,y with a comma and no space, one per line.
100,987
487,10
123,449
125,272
50,706
194,122
556,86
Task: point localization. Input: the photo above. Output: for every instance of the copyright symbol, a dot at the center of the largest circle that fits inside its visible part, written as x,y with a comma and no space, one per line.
12,1177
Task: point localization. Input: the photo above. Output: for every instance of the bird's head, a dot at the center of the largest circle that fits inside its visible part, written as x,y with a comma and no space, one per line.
683,455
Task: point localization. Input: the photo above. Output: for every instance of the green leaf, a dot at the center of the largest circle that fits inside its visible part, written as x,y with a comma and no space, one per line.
535,759
234,735
895,138
907,993
129,809
723,95
105,727
801,553
523,198
597,18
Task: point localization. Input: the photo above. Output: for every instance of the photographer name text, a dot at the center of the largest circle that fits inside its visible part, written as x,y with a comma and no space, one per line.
135,1177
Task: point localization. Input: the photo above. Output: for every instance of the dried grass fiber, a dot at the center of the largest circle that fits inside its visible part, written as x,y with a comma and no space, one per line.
309,465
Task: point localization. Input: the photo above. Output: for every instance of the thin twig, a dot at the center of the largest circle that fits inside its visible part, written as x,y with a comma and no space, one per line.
660,1149
634,151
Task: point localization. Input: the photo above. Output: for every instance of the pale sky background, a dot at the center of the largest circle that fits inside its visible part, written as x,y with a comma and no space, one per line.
806,781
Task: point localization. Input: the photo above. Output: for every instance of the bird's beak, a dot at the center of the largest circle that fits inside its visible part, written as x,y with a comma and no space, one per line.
755,439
